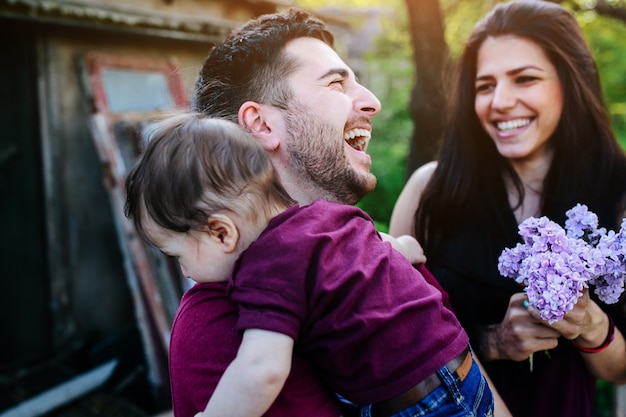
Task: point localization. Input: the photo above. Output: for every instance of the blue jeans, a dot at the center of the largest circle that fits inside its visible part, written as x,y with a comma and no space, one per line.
470,398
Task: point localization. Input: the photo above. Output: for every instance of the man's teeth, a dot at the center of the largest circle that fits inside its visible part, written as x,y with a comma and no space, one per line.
359,144
513,124
362,135
357,132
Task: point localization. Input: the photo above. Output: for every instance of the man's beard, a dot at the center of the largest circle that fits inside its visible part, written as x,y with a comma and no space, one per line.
317,158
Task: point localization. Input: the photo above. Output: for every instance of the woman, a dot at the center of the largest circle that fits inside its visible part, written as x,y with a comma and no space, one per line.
528,135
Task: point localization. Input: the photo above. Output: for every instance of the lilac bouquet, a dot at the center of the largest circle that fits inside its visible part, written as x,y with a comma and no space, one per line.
556,264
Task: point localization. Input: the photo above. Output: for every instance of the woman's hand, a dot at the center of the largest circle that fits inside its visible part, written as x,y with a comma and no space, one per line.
580,320
587,325
518,336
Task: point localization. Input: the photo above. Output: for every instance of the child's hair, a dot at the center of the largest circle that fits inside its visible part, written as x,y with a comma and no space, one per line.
194,166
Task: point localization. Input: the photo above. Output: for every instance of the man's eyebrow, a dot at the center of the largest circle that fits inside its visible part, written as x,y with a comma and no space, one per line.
335,71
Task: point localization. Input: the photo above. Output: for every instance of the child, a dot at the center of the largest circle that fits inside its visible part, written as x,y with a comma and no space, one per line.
203,337
316,278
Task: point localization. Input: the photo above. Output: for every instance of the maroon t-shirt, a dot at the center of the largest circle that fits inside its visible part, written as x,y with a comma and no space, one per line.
204,342
322,275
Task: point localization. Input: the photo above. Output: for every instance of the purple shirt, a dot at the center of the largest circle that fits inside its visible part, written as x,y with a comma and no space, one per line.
370,322
204,342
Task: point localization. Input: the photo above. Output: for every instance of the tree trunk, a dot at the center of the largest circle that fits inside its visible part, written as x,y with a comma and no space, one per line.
427,106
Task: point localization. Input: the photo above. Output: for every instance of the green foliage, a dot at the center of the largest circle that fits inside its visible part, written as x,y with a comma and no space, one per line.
605,392
460,17
605,37
391,77
389,149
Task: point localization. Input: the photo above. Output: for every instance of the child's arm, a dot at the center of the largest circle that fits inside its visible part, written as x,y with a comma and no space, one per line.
254,378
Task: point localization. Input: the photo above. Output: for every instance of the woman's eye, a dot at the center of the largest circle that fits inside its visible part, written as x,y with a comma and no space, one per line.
483,87
526,79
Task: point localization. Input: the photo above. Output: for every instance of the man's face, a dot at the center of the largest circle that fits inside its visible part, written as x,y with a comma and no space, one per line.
327,128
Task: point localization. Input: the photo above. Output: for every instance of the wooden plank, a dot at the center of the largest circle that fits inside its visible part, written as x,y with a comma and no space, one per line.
63,393
155,286
149,311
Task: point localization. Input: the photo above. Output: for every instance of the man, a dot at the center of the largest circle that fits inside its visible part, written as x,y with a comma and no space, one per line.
306,107
280,78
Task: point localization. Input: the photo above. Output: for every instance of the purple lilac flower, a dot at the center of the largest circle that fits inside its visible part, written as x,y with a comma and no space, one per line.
609,280
556,264
553,286
510,260
583,224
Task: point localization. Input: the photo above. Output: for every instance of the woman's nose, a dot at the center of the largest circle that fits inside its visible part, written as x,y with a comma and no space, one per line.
503,97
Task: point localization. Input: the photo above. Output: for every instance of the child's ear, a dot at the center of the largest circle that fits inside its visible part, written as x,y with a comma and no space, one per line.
257,119
223,229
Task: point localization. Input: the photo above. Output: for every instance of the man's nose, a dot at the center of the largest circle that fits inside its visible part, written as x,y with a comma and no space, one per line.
367,102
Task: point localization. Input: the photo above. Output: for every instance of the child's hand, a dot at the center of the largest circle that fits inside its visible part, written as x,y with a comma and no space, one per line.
408,246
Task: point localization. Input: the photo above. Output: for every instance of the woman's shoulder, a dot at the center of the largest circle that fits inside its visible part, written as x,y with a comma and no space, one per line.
402,220
421,176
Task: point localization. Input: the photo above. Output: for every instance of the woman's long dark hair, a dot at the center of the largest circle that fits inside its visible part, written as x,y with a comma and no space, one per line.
588,166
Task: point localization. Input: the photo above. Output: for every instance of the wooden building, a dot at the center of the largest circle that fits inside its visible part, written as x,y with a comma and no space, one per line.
76,76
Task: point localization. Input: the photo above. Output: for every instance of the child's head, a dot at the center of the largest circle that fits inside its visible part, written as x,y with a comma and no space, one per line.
201,179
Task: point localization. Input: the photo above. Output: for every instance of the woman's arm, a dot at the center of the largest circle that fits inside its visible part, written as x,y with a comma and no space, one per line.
254,378
610,363
588,326
403,216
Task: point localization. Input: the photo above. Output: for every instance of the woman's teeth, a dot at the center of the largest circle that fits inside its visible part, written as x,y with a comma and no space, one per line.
512,124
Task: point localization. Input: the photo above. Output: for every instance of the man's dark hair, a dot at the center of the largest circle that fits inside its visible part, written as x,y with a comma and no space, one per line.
251,64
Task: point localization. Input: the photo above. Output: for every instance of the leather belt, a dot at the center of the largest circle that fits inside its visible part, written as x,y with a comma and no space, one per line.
460,366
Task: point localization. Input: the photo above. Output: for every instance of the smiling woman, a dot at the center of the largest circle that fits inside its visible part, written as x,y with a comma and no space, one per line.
528,135
519,99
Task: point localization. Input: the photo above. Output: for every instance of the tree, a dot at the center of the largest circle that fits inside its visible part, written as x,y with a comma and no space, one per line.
427,104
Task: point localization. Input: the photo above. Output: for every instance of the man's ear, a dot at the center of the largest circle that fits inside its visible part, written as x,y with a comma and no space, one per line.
258,119
223,229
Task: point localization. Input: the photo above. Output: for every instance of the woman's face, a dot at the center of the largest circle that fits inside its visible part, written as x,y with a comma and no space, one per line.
519,98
